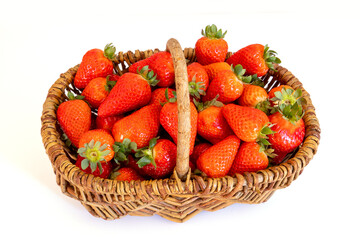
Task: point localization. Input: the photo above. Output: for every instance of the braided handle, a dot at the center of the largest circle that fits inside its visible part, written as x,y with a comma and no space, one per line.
183,104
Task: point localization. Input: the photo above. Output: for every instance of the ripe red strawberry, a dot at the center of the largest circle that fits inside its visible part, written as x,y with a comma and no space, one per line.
130,92
289,133
137,66
255,58
140,126
126,174
198,79
105,166
159,159
211,47
74,117
217,160
249,124
250,158
95,63
169,121
214,68
228,84
107,123
254,96
162,65
97,90
102,142
212,125
278,157
132,163
159,96
284,94
198,150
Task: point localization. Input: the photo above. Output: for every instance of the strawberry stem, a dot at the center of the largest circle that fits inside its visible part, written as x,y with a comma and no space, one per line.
212,32
270,57
109,51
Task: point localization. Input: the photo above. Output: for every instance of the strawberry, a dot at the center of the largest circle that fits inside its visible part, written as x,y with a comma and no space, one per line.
198,79
95,63
158,95
278,157
249,124
125,174
159,159
254,96
102,139
169,121
74,117
162,65
132,163
105,166
198,150
255,58
211,47
284,94
212,125
228,84
140,126
250,158
130,92
107,123
214,68
218,159
97,90
137,66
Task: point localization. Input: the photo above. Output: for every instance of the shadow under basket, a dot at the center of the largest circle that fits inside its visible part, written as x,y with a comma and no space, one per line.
183,195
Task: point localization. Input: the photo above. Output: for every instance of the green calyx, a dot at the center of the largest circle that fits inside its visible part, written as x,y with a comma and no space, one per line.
290,104
201,106
270,57
93,154
170,100
256,81
212,32
149,75
109,84
196,89
264,106
71,96
123,149
109,51
145,154
239,71
262,139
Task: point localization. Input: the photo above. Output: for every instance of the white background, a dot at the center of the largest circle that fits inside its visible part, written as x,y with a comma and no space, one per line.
317,41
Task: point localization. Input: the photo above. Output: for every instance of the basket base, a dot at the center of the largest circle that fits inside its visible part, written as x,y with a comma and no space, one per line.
175,209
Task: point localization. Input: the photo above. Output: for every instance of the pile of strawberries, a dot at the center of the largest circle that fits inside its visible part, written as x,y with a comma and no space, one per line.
125,127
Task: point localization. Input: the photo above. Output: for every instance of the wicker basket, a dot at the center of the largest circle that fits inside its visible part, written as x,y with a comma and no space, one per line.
183,195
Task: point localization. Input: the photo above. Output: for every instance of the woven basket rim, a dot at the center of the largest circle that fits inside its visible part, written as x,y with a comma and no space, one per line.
62,163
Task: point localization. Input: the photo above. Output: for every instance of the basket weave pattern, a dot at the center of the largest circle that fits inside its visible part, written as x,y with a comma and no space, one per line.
172,198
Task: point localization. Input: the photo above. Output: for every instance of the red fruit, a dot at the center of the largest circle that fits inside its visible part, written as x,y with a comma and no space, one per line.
140,127
278,158
198,79
211,123
249,159
74,117
159,159
126,174
212,47
105,166
130,92
107,123
131,163
102,142
255,58
169,121
254,96
228,84
214,68
95,63
246,122
158,95
217,160
136,67
198,150
288,136
96,91
162,65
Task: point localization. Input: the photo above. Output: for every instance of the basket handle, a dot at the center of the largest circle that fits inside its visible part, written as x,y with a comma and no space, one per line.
183,104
